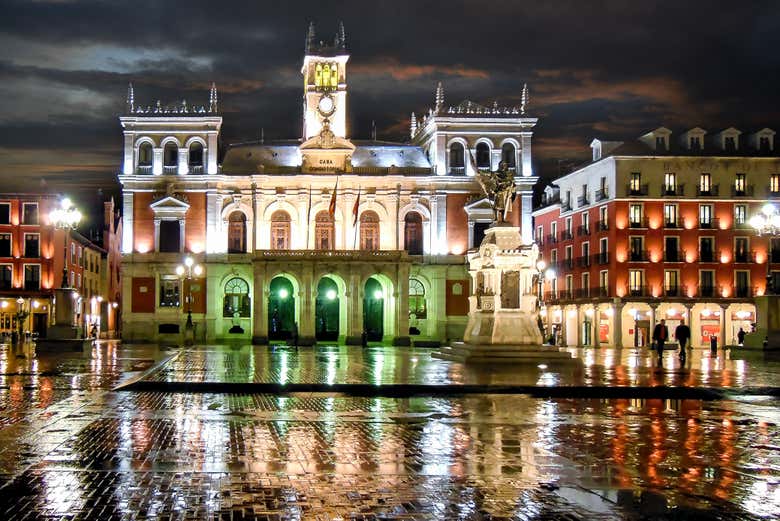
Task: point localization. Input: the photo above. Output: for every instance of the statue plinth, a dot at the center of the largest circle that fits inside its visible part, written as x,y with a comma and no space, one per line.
767,334
503,316
64,335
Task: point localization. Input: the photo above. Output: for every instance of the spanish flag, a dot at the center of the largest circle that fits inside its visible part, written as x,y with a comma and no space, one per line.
355,209
332,205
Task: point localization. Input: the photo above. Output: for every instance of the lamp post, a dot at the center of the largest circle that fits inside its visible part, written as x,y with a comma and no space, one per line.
186,271
21,316
66,217
767,223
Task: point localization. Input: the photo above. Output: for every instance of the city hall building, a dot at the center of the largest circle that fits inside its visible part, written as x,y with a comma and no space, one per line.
657,228
323,234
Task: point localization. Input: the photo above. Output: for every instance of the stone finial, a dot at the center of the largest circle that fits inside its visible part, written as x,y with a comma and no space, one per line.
413,125
342,37
310,38
213,98
439,96
130,98
524,99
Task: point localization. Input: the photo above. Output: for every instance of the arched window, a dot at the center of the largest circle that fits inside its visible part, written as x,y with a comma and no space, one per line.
413,233
457,162
170,157
417,307
508,155
145,154
324,231
236,302
280,230
483,155
334,76
237,232
196,158
369,231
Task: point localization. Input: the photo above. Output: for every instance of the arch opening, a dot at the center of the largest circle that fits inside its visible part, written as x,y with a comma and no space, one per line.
509,155
373,310
196,158
324,231
145,154
281,309
170,155
483,156
280,230
369,231
237,232
326,316
457,158
413,233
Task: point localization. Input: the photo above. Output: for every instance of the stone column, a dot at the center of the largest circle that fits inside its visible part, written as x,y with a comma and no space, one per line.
215,241
354,298
184,157
212,153
157,161
525,152
128,165
617,321
689,321
596,325
401,294
259,311
127,223
723,336
580,312
306,298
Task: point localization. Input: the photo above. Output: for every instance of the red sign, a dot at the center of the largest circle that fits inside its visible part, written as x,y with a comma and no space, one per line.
707,331
603,333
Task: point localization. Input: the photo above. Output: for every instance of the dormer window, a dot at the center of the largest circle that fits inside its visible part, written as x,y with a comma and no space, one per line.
729,144
763,144
695,144
660,143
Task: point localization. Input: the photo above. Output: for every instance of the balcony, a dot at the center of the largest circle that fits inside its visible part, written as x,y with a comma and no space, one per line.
539,241
673,191
742,191
706,291
636,191
712,224
457,170
583,231
602,258
674,256
583,293
673,291
602,226
774,193
601,194
566,206
673,223
171,169
600,292
582,201
637,256
637,291
565,265
143,169
196,169
706,256
712,191
641,223
745,291
552,239
584,261
745,257
566,235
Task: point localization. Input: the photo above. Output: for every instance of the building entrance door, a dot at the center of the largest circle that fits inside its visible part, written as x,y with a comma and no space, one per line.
326,318
281,309
39,324
373,310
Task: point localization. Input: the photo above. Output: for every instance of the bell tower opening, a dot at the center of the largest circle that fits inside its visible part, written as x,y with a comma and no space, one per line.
325,84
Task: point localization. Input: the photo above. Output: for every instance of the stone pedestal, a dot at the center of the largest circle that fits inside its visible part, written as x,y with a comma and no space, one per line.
767,325
64,335
503,317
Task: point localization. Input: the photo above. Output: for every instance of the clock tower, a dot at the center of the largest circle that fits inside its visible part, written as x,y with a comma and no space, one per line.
325,85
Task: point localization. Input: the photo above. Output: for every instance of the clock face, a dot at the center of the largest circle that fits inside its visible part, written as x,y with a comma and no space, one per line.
326,105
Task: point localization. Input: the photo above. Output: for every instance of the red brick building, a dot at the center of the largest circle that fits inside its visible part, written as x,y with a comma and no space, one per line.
658,228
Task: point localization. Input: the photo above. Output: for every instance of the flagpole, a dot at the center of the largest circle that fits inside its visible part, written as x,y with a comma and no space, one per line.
355,219
308,220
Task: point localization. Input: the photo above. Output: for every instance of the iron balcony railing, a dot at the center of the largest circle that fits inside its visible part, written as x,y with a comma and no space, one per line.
602,225
705,291
742,191
712,224
673,223
584,261
583,230
637,291
601,194
566,206
673,291
743,257
674,256
582,201
566,235
602,258
713,190
196,169
552,239
673,191
636,190
641,223
637,256
706,256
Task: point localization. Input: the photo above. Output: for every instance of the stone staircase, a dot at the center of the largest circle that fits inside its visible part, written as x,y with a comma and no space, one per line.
463,352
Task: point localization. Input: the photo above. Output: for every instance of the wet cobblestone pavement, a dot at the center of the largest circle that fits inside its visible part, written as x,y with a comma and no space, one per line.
76,449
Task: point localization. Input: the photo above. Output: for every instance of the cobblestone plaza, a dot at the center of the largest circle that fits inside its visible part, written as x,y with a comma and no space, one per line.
110,435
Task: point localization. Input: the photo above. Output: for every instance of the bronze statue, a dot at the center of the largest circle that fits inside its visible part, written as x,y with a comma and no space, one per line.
498,187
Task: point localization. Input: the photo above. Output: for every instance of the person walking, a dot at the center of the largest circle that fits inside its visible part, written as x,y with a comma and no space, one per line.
660,335
683,334
741,336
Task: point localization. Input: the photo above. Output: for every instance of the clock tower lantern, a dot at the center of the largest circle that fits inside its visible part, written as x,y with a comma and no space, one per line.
325,85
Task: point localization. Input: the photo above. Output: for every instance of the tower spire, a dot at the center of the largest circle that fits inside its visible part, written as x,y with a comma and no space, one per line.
524,99
130,98
213,98
413,125
310,38
439,97
342,37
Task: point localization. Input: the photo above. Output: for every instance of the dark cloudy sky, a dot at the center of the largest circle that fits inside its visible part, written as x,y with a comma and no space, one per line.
611,69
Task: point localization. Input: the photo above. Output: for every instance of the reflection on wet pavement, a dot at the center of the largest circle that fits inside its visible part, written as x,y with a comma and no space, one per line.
85,451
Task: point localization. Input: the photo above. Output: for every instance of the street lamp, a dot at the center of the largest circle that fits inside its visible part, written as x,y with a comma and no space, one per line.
21,316
767,223
66,217
186,272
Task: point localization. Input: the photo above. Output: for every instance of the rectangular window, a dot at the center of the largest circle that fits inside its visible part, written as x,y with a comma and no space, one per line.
671,283
774,184
603,222
603,282
6,276
554,229
603,252
741,249
73,253
705,184
739,184
670,183
635,215
706,283
568,257
706,249
30,213
695,144
569,284
740,214
670,215
705,215
742,283
585,222
554,257
32,276
72,279
636,282
671,249
5,213
78,280
32,245
636,247
169,293
586,249
540,234
635,184
586,284
567,229
5,244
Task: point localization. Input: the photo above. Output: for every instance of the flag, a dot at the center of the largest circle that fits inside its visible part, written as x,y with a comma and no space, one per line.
308,219
355,209
332,205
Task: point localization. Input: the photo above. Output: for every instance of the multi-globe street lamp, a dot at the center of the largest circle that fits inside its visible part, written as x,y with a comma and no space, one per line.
767,223
186,271
66,218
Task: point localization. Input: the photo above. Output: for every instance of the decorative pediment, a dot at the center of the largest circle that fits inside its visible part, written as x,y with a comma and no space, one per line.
479,205
169,207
